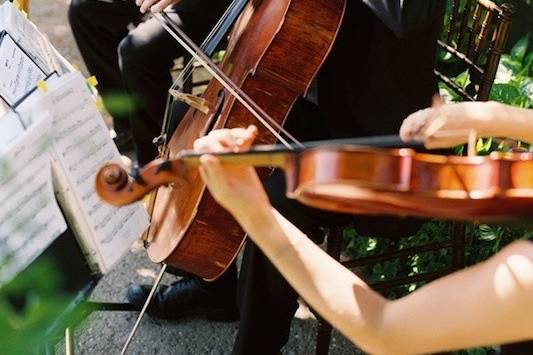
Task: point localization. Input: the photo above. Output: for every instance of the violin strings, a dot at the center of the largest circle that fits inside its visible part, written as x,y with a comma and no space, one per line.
244,99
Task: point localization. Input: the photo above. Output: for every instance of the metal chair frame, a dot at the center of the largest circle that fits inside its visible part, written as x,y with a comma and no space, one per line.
476,37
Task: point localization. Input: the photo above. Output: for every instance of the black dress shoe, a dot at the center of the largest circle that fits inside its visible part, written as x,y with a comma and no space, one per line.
186,297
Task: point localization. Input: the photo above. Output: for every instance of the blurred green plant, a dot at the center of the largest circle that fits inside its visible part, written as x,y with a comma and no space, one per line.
28,306
120,104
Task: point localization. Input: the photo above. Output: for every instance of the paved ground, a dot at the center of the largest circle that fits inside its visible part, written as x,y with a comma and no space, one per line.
104,333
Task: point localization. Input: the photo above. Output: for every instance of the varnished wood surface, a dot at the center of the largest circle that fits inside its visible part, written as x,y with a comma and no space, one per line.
496,188
274,52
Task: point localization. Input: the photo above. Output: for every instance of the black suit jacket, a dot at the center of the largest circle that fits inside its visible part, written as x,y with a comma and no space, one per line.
380,68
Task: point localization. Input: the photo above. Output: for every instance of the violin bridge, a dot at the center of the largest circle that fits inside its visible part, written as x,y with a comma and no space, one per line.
193,101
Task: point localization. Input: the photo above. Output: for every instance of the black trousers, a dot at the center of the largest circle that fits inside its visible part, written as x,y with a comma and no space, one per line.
133,65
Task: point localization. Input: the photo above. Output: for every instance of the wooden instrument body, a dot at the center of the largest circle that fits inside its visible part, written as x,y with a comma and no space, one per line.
275,50
401,181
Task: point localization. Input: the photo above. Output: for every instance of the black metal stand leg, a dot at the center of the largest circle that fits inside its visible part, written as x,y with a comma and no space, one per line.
109,306
459,238
323,337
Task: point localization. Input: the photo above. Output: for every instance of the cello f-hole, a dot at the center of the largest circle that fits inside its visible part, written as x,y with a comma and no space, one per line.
218,111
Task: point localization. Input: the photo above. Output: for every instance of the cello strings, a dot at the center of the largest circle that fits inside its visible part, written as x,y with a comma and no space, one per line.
186,73
244,99
248,103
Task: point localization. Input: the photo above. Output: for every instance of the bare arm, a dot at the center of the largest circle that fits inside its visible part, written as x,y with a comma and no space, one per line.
448,125
489,303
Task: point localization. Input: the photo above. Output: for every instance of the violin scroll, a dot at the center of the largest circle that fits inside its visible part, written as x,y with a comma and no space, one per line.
112,181
114,185
113,176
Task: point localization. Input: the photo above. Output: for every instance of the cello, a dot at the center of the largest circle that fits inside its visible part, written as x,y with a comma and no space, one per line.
188,229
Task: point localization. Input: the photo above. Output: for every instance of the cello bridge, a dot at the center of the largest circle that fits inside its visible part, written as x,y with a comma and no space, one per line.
193,101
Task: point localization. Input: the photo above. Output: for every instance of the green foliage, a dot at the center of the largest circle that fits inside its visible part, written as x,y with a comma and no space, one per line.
513,84
358,246
28,306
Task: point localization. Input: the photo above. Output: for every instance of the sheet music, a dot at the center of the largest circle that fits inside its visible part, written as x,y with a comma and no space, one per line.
4,108
81,144
10,128
28,108
26,34
19,73
29,216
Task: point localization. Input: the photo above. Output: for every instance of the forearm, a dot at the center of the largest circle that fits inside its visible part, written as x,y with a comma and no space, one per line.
331,289
512,122
490,303
497,294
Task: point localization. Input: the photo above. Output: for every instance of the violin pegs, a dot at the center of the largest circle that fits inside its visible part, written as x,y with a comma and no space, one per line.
136,175
164,166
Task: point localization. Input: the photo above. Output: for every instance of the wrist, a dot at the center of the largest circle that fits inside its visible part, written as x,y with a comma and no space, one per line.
254,216
505,121
493,119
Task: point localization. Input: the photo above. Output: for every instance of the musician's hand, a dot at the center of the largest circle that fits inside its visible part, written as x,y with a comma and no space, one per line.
444,126
236,188
154,5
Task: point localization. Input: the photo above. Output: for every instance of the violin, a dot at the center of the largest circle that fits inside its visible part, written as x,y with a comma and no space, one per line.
256,81
343,177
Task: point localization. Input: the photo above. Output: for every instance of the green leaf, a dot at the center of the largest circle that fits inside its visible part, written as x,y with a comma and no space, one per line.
483,146
445,56
520,48
487,233
505,93
522,102
507,69
459,150
463,79
447,95
528,62
526,87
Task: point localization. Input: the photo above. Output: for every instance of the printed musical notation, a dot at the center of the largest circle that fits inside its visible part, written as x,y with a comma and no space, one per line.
81,145
38,85
28,36
19,72
30,218
10,128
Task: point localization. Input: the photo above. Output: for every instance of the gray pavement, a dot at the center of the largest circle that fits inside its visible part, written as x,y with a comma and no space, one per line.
106,332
